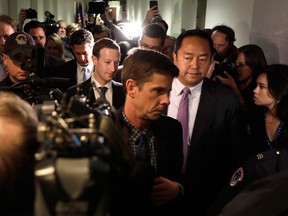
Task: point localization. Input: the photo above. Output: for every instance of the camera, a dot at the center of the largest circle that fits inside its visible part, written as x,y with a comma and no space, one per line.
31,13
226,65
96,7
50,24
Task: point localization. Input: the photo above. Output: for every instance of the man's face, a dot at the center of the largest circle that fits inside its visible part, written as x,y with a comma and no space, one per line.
62,29
5,31
83,53
151,99
193,60
106,65
221,44
150,43
14,66
38,35
168,48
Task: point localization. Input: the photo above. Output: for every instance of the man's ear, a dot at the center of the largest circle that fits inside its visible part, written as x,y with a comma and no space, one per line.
131,87
174,55
5,58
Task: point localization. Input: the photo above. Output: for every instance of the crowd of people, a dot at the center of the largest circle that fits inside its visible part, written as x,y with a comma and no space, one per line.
199,117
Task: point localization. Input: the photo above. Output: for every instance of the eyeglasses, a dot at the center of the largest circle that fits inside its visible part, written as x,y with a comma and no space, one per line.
168,49
146,46
240,65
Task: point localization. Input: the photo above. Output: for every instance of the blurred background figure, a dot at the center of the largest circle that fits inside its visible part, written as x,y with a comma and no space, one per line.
17,151
101,31
168,47
61,31
54,47
7,27
223,40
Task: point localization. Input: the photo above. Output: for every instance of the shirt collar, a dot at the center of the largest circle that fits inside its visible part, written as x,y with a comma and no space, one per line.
179,87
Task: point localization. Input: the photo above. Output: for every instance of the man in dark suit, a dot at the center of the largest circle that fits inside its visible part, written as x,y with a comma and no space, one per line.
82,43
216,123
106,57
151,138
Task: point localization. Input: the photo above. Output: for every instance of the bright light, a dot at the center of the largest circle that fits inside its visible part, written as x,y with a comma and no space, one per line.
131,29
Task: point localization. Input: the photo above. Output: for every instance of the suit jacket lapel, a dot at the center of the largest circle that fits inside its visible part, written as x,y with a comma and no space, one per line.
206,104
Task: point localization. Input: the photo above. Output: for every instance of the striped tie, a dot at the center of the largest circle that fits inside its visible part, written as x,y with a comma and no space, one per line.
5,69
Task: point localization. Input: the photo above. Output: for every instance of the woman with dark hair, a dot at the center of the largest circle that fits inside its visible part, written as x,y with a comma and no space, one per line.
249,62
271,93
268,144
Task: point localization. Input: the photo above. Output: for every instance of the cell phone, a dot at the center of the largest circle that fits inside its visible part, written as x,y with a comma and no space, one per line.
153,3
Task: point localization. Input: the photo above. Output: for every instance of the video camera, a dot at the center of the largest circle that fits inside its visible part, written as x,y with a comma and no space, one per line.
79,160
50,24
36,88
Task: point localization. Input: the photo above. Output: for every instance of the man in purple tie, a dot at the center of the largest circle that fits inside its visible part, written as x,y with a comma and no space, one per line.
213,140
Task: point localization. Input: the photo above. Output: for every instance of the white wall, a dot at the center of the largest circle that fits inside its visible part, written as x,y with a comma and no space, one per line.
263,22
172,11
270,29
234,13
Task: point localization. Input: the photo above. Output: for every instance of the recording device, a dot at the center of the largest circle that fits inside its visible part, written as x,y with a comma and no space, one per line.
78,161
96,7
226,65
31,13
153,3
35,89
32,59
50,24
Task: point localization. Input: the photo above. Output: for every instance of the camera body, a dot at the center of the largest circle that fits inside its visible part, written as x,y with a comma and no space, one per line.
31,13
226,65
96,7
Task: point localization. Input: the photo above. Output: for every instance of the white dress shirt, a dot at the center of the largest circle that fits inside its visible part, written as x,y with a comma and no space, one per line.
109,91
90,68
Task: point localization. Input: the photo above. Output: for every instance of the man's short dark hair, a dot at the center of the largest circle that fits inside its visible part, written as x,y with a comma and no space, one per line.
154,31
104,43
194,33
141,64
33,24
228,31
9,21
81,36
97,29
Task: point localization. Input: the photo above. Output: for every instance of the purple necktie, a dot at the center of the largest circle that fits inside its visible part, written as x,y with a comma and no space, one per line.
183,118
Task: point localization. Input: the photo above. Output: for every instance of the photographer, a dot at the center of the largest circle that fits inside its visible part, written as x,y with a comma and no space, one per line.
21,58
23,15
38,32
223,40
14,46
